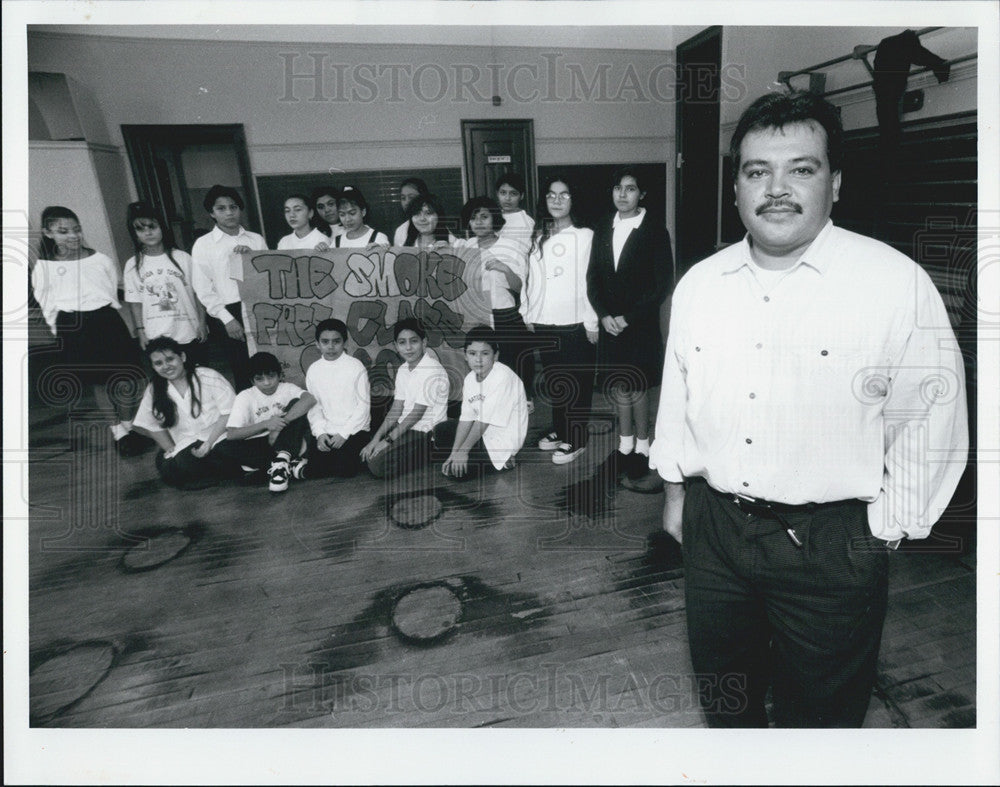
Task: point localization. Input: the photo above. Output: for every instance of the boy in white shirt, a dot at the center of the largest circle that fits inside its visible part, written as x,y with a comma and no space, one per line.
218,265
341,420
267,426
494,419
420,402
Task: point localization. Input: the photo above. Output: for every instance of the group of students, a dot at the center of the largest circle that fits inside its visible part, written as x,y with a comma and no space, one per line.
587,301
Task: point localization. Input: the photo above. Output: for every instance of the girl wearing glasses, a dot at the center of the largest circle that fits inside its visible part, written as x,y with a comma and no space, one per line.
564,322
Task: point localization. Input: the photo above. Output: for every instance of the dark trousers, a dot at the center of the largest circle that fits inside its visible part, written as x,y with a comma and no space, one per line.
343,462
257,452
517,345
444,441
760,610
184,470
406,463
568,359
235,350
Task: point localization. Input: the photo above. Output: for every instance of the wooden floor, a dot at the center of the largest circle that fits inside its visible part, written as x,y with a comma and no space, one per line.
279,609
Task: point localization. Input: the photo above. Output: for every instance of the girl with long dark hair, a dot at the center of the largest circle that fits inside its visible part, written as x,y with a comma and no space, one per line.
184,410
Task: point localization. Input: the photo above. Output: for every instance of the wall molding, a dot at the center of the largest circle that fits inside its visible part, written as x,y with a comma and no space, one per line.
74,144
390,48
383,144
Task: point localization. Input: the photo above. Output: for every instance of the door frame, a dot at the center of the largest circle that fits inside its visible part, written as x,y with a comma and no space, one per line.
139,141
707,34
527,128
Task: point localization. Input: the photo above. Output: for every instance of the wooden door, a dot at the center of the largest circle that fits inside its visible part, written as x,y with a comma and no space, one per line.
492,148
173,167
697,196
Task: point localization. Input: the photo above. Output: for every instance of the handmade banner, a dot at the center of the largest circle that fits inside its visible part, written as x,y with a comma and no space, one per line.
285,293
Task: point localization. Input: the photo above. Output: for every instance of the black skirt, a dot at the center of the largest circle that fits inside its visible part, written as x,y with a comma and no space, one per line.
632,359
97,348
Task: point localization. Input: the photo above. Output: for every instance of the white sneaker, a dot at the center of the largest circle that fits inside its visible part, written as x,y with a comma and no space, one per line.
277,476
550,442
566,453
298,468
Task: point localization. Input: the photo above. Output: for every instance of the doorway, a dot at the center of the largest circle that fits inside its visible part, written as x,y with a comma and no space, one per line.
697,190
174,167
491,149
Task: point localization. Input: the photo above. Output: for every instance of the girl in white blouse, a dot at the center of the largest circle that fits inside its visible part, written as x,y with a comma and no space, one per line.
185,410
564,322
77,290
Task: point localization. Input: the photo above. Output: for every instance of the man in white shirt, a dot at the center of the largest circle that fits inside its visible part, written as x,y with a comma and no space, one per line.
812,414
218,265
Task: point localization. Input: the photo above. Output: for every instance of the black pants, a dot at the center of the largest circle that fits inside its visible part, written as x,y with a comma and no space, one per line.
568,359
257,452
444,440
517,345
184,470
808,620
343,462
235,350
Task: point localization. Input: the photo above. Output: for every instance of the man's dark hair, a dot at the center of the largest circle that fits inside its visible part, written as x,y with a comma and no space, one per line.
776,110
222,191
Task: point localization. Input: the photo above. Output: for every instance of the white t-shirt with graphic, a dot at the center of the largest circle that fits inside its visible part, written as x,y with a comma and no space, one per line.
252,406
499,402
164,290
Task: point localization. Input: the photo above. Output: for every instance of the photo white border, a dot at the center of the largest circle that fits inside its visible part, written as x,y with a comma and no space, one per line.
493,756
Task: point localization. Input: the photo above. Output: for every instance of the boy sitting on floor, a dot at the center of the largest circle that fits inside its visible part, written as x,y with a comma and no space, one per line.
267,426
420,402
494,418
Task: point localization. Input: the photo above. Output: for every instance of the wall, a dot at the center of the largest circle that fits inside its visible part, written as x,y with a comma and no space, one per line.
376,106
64,173
763,52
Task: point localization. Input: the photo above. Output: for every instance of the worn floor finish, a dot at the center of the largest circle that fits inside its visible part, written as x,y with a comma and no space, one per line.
278,610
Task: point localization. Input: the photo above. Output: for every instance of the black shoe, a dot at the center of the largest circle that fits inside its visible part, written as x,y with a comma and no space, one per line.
636,466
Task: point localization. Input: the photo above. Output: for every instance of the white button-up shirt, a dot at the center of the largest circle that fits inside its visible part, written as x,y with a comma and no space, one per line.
622,229
556,289
217,268
842,380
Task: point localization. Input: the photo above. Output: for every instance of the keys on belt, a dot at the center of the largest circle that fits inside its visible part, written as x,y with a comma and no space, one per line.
768,510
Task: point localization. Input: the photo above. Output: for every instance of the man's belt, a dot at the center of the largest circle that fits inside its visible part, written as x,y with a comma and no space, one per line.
769,509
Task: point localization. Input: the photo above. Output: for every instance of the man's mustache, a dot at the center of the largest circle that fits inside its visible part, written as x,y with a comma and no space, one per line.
778,205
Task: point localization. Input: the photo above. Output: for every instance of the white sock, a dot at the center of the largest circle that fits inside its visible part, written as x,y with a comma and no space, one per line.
119,431
626,444
642,447
127,425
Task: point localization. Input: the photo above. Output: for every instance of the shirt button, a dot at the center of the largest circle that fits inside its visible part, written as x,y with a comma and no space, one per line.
746,483
753,396
767,299
759,345
749,441
824,352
